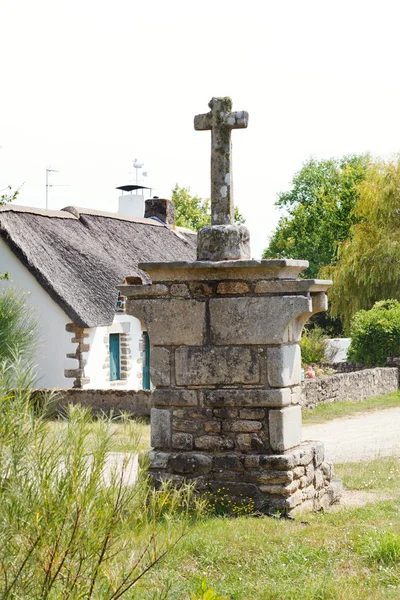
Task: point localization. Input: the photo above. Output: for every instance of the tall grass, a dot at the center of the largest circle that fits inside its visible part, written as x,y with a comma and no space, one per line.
18,326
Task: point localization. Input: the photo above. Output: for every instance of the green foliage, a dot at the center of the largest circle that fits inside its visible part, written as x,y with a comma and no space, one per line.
70,525
193,212
319,211
208,593
375,333
18,326
314,348
6,198
379,546
369,261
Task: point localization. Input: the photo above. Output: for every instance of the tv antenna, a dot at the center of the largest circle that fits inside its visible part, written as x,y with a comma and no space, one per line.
50,185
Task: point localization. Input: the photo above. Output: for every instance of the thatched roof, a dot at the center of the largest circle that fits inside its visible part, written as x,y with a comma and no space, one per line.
79,256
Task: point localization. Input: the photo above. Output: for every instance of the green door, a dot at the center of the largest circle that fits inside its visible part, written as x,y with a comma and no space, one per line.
115,369
146,361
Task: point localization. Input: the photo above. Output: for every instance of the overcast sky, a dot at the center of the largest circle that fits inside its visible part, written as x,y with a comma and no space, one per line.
88,85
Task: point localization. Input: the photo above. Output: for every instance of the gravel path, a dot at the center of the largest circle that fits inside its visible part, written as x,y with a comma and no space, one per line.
360,437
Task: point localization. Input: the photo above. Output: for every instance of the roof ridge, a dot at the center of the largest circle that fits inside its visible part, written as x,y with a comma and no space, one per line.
43,212
77,211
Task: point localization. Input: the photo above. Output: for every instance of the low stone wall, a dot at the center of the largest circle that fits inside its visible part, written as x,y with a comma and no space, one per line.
349,386
137,403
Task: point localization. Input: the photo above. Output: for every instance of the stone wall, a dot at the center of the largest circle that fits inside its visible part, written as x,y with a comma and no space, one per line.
136,403
349,386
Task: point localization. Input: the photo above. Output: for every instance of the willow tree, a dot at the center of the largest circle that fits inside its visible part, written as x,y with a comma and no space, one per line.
368,268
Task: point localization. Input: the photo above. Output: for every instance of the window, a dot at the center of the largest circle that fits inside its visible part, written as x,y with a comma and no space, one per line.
146,361
115,357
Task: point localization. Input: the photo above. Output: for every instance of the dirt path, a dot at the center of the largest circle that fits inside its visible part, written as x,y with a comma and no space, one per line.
359,437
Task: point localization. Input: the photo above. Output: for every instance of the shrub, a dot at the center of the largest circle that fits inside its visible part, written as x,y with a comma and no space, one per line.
375,333
18,326
71,526
314,348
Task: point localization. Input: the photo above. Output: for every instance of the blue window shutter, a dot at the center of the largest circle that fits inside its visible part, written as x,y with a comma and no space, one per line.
146,361
115,363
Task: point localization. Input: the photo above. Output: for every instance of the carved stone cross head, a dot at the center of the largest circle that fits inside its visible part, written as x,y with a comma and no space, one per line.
221,120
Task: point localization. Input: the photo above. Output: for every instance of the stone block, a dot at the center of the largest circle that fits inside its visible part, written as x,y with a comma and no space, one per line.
279,489
327,469
250,442
212,426
160,420
254,321
233,287
201,289
284,365
157,290
319,455
244,490
225,413
187,425
193,413
252,413
160,374
241,426
182,441
278,461
175,397
179,290
208,366
274,477
227,462
247,398
190,463
285,428
158,460
307,451
171,322
223,242
214,443
251,461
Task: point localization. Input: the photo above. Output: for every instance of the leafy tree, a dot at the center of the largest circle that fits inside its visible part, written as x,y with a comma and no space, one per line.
5,199
375,333
193,212
319,211
368,269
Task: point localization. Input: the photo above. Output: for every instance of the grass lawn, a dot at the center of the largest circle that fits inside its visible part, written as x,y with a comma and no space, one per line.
334,410
343,554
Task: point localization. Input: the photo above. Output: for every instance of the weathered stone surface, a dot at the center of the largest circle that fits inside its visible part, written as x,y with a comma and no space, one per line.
221,120
287,287
207,366
212,426
251,398
175,397
241,426
306,455
160,428
274,477
182,441
193,413
285,428
214,443
250,442
278,461
171,322
284,365
187,425
223,242
201,289
160,366
232,287
250,320
281,490
227,462
225,413
239,490
179,290
190,463
319,453
327,469
157,290
255,414
158,460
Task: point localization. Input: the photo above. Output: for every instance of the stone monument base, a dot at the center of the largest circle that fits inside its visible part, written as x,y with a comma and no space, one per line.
298,479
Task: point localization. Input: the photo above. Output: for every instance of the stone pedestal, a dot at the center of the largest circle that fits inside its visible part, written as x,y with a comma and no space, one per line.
225,364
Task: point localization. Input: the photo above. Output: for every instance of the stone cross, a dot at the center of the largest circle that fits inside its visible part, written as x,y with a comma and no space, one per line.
221,120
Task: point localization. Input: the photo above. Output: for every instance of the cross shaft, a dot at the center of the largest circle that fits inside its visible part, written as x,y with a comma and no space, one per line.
221,120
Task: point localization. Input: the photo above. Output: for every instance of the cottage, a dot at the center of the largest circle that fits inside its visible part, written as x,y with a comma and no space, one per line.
70,261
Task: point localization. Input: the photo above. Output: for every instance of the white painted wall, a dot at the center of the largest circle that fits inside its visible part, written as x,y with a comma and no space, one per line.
131,205
54,341
341,345
96,357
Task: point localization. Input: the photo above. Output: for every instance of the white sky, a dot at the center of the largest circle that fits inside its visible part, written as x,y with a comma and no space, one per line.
88,85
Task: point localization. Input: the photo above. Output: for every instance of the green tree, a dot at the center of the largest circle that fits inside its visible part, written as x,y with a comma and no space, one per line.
193,212
319,210
368,268
5,198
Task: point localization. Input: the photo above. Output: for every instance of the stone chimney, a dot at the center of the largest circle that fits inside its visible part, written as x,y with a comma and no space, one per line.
161,209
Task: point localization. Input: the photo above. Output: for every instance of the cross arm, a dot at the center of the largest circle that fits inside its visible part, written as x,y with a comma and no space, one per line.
238,120
203,122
